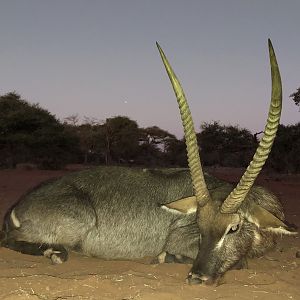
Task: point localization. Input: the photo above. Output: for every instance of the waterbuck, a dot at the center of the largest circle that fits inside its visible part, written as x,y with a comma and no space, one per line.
178,215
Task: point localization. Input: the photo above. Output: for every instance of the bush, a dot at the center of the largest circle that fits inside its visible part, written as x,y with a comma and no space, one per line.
29,133
284,156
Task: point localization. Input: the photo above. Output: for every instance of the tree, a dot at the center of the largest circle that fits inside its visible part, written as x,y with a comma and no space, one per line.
296,97
176,154
225,145
284,156
29,133
154,146
122,139
156,136
72,120
91,135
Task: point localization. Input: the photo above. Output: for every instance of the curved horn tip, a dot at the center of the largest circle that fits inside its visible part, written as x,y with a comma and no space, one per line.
271,49
237,196
158,46
270,43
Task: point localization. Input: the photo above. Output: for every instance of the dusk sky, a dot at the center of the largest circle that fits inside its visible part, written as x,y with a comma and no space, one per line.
98,58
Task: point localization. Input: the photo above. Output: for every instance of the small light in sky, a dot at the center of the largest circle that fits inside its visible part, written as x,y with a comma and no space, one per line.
125,102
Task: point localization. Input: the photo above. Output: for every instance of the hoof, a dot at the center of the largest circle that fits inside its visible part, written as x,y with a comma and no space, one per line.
193,279
56,256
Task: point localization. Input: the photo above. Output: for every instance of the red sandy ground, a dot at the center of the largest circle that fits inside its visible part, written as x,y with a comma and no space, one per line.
275,276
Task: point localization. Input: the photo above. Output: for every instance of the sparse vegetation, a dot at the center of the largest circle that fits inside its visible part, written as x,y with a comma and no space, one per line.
296,97
30,134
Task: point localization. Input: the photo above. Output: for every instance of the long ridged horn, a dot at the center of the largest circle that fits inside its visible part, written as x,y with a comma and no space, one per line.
236,197
200,189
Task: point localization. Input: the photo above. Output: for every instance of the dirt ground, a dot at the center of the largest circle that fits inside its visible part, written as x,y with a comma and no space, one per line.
275,276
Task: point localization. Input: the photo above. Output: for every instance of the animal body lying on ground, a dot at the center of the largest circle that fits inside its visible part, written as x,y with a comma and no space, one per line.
177,215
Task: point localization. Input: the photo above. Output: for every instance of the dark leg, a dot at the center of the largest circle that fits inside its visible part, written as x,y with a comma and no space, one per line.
242,264
2,238
57,253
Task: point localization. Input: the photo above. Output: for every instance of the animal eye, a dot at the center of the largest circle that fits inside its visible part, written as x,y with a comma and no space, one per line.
233,229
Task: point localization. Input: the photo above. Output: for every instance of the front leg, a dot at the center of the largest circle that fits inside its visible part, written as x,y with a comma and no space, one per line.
166,257
242,264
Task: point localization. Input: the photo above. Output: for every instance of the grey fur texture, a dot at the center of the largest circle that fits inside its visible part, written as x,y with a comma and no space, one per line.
117,213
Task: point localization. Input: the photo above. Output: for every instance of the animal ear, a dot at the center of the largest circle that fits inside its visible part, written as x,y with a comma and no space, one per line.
185,205
268,222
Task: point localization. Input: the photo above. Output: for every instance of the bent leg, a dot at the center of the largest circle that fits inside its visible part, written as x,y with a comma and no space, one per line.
166,257
57,253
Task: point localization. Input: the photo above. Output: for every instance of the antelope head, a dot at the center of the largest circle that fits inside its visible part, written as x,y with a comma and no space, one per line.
237,226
